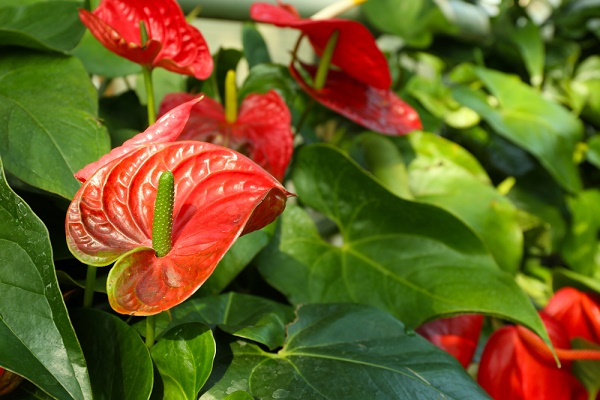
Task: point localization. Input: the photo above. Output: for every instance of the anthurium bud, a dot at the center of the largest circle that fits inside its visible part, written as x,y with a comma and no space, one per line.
8,381
578,312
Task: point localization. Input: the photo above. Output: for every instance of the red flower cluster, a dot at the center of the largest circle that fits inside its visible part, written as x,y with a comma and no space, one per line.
360,89
171,42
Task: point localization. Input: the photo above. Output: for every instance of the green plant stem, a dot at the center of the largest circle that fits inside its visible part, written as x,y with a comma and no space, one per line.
150,330
325,62
88,292
149,95
162,224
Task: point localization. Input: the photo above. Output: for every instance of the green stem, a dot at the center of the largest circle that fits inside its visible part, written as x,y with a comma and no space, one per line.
231,106
162,224
150,325
149,95
325,62
90,280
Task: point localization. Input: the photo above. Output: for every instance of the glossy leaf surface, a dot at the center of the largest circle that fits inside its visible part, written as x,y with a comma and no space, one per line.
245,316
262,130
345,351
110,344
219,195
356,51
48,134
184,358
417,263
37,340
172,43
543,128
380,110
41,25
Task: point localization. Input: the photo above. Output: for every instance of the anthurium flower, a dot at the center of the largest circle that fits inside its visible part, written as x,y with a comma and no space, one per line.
8,381
517,365
262,130
380,110
456,335
219,195
171,42
577,311
356,51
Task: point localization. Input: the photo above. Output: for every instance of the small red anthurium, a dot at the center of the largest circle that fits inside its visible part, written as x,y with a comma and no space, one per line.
262,130
577,311
219,194
152,33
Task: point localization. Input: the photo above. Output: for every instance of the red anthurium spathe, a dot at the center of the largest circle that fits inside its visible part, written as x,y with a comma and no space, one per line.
517,365
578,312
219,195
262,130
172,43
380,110
456,335
356,51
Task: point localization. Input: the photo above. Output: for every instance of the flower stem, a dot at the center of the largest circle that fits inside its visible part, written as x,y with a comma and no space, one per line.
231,106
149,95
150,325
325,62
162,224
88,292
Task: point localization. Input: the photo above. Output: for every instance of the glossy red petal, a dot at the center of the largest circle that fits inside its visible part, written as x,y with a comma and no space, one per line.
219,194
376,109
510,370
262,130
356,51
173,43
577,311
166,129
456,335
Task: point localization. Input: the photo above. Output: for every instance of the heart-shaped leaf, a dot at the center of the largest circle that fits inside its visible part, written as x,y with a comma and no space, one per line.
219,195
419,262
37,340
119,362
345,351
184,358
41,25
48,134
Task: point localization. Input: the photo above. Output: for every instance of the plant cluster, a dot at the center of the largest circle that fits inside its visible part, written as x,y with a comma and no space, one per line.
413,212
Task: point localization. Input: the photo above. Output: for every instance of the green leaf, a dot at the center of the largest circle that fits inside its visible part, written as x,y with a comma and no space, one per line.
255,48
119,362
411,259
264,77
446,175
43,25
235,260
562,277
529,42
520,114
593,153
241,315
164,82
37,340
184,358
580,248
348,352
587,371
98,60
48,124
239,395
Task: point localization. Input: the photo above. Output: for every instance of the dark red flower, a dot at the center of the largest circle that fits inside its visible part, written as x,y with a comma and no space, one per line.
8,381
356,51
380,110
456,335
219,195
172,43
262,130
578,312
517,365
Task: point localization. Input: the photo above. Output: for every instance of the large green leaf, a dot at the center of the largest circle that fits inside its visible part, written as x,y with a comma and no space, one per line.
245,316
48,124
42,25
255,48
413,260
520,114
184,358
344,351
119,362
97,59
37,340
